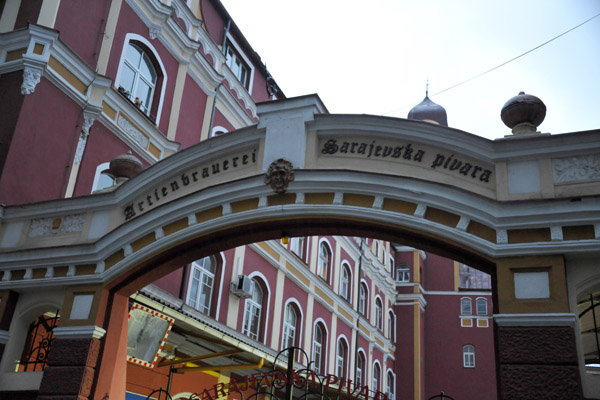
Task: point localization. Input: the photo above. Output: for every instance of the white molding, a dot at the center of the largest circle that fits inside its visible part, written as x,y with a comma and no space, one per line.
480,292
79,332
533,320
226,99
218,128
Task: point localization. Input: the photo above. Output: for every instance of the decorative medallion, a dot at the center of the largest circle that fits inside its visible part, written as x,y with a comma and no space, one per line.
279,175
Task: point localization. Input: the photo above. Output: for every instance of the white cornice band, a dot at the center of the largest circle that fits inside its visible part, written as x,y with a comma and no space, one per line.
79,332
534,320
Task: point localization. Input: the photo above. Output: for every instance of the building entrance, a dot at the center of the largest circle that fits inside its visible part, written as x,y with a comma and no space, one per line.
513,208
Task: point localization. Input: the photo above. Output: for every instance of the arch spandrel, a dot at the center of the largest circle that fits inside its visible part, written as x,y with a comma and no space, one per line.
218,186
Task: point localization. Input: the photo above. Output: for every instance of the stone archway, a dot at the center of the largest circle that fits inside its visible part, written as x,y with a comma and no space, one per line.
517,206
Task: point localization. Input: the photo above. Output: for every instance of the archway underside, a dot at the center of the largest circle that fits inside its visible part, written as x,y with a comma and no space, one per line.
153,267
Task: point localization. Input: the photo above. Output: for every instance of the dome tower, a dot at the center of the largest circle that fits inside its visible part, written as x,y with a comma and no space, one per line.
429,111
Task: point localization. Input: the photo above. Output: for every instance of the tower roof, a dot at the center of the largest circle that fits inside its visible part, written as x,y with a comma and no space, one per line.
429,111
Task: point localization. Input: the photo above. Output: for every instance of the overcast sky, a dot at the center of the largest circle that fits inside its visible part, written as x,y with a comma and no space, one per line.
375,57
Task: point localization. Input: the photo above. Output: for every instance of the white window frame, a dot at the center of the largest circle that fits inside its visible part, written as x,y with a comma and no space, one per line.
346,292
137,38
378,311
321,367
376,380
249,306
481,300
196,266
361,372
323,244
468,356
292,331
99,171
363,302
246,60
463,302
216,129
390,389
298,246
391,325
403,273
341,361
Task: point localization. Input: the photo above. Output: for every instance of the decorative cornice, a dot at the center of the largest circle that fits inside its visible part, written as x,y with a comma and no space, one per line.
79,332
550,319
226,97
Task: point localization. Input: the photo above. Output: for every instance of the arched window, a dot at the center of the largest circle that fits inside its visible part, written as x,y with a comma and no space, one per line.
468,356
360,368
324,262
319,350
341,358
290,327
138,77
38,343
201,284
253,312
218,130
466,307
141,76
389,387
345,282
363,301
482,306
391,326
378,314
376,383
102,179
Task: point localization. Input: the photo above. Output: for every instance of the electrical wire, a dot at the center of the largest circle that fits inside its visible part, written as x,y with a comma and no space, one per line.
503,64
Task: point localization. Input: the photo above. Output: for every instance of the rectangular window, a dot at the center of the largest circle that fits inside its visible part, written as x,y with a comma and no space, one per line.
468,356
317,357
252,320
403,275
236,64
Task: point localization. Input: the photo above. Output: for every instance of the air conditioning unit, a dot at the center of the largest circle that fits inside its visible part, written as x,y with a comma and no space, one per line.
243,287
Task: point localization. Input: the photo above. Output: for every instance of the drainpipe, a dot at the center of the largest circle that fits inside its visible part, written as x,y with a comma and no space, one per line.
224,51
224,44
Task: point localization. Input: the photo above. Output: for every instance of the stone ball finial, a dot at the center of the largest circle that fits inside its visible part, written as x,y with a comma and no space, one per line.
523,113
125,166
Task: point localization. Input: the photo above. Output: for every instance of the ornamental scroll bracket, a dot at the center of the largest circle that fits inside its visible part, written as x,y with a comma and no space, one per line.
279,175
32,74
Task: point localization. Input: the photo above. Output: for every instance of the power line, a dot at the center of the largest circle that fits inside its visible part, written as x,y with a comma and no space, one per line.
504,63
